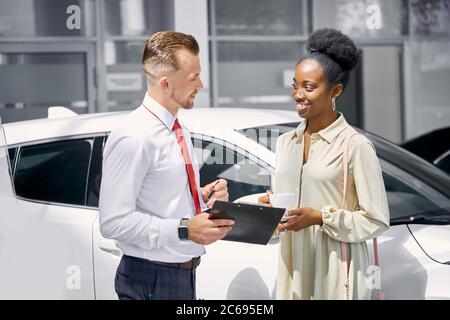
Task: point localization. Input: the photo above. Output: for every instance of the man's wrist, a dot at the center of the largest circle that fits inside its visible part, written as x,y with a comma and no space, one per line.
183,229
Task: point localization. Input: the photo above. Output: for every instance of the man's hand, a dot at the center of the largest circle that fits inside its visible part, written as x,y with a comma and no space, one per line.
304,217
216,190
204,231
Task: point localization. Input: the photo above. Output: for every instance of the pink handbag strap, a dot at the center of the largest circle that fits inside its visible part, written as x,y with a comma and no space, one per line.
344,254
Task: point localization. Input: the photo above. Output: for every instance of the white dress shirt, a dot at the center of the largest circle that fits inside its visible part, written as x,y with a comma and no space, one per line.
145,190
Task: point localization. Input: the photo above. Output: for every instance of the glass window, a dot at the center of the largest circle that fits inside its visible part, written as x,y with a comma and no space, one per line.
427,75
267,135
95,173
362,17
12,156
244,176
259,17
42,18
430,17
125,82
37,81
138,17
443,162
54,172
404,200
256,73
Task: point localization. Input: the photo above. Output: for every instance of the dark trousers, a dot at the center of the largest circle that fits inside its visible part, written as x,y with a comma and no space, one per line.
139,279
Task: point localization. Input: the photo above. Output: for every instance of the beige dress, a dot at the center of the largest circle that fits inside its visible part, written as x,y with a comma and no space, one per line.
310,265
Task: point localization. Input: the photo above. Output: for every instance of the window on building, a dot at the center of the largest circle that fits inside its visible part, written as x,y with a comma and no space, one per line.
25,95
255,45
47,18
127,24
362,18
427,75
430,17
256,74
259,17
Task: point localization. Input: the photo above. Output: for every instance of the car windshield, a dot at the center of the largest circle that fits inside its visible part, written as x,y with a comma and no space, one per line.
267,135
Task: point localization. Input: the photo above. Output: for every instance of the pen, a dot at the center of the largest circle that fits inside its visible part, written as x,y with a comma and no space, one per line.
209,196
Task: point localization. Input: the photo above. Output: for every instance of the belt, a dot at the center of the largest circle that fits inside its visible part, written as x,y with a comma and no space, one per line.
190,265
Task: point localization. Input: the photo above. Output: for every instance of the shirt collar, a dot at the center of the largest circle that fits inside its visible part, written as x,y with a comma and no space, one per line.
300,130
329,133
162,113
334,129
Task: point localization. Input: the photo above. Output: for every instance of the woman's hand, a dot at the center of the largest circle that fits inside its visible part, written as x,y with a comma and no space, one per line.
303,218
265,200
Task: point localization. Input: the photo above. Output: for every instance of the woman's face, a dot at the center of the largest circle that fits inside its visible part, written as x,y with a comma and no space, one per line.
311,90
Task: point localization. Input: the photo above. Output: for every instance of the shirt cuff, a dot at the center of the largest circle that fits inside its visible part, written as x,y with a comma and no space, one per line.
326,216
203,205
168,231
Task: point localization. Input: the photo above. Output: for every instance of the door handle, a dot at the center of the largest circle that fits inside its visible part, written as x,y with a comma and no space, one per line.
110,247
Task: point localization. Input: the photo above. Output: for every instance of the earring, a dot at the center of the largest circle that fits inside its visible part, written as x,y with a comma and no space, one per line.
333,103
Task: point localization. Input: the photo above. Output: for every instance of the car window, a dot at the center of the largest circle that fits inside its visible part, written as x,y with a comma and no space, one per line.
244,175
12,157
267,135
95,173
411,200
443,162
404,200
54,172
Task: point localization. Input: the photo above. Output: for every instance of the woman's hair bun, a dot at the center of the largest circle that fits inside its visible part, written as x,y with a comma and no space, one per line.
335,45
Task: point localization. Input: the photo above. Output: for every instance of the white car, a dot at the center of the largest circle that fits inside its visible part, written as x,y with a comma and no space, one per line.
51,246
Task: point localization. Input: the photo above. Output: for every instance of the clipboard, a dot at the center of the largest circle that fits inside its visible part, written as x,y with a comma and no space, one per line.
253,223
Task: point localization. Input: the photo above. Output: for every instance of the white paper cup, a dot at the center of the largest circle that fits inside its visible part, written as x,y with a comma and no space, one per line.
282,200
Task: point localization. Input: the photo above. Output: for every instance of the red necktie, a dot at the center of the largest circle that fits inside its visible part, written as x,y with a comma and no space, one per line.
189,168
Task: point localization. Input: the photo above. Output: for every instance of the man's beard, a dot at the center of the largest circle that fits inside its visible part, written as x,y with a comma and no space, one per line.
188,103
188,107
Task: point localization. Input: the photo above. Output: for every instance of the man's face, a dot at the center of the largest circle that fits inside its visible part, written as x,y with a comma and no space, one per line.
185,83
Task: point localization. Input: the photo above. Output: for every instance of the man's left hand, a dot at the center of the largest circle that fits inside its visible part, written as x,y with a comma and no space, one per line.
216,190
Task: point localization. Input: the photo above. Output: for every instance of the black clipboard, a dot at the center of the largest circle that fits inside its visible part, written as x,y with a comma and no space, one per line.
253,223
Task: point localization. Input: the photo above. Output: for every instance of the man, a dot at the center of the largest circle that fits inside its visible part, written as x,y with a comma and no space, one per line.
149,199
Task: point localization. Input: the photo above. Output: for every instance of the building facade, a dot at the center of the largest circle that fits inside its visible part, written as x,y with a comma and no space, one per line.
85,54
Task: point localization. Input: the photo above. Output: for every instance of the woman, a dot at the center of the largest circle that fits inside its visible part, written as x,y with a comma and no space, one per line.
309,163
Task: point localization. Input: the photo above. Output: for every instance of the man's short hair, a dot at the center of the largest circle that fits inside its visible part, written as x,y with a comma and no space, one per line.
161,49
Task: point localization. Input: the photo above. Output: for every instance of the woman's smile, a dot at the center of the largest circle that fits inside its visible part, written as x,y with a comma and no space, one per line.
302,106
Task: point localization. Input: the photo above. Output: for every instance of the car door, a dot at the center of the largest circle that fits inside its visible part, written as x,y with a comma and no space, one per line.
6,192
105,251
7,202
46,236
414,250
234,270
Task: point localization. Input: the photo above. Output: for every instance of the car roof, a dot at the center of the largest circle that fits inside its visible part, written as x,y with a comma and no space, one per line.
195,119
